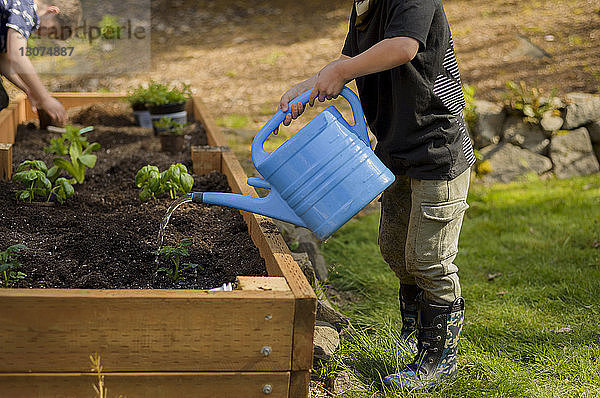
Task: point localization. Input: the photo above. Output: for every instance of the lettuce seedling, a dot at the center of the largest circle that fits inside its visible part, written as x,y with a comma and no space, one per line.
80,153
173,255
9,264
41,181
60,145
173,180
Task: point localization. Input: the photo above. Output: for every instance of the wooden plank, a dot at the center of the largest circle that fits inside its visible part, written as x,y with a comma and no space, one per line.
56,330
5,162
201,114
206,159
72,100
279,262
300,384
7,131
264,283
146,385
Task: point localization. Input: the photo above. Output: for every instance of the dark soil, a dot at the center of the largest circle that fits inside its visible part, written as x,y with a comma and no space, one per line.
104,237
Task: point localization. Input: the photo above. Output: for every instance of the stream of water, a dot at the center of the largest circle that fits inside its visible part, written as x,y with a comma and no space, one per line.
167,217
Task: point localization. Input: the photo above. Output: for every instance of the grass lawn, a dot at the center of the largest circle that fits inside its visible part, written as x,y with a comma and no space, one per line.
530,270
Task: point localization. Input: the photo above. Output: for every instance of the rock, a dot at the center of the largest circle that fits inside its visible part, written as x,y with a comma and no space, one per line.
347,381
286,229
490,119
326,341
326,313
306,266
583,109
594,131
507,162
525,135
572,154
550,122
309,244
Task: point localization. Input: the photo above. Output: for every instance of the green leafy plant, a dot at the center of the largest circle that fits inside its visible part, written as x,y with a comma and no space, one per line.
173,255
170,126
148,179
80,153
138,97
530,102
109,27
469,112
160,94
59,146
41,181
9,264
173,180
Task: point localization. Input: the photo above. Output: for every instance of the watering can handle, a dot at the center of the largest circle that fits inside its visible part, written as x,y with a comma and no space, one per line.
359,128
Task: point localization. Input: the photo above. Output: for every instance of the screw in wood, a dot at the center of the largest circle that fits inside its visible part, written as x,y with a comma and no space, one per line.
266,350
267,389
268,317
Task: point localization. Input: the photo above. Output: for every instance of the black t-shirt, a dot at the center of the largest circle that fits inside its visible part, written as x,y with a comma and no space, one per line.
414,110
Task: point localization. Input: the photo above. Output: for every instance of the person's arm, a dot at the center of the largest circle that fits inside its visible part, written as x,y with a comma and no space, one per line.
387,54
6,71
22,67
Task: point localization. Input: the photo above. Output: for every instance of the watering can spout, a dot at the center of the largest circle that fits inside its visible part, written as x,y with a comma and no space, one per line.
271,206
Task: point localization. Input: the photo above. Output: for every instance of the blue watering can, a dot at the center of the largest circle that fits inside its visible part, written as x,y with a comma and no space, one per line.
318,179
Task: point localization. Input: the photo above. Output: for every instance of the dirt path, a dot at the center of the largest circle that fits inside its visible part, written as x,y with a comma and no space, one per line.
241,55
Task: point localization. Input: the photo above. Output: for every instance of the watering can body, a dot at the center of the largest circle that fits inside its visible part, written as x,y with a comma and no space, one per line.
319,178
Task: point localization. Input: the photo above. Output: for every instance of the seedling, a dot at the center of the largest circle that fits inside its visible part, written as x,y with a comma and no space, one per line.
170,126
9,264
41,181
148,178
80,153
173,254
60,145
152,182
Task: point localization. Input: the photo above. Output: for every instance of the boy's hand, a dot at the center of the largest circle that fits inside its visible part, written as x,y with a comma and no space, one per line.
297,108
55,110
330,82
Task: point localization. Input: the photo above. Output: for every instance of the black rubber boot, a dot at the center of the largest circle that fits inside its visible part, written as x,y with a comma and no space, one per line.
438,335
409,309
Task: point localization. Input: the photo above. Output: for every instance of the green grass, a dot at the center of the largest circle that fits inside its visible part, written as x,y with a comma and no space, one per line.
542,237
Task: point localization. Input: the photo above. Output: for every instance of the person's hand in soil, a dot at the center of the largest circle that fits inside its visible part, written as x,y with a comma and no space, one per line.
55,110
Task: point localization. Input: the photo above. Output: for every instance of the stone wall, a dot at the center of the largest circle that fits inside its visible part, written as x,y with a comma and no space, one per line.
566,142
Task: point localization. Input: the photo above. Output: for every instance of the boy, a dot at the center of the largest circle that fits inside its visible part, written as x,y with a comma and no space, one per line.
18,20
400,52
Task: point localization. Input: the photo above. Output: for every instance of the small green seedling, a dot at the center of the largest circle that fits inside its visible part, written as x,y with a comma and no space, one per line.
148,178
42,182
80,153
173,254
152,182
9,264
170,126
60,145
175,179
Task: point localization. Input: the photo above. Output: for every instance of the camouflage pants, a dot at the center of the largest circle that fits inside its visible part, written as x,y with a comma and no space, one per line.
418,233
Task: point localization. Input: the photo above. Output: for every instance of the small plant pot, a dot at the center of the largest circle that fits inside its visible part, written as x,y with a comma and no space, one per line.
172,143
174,111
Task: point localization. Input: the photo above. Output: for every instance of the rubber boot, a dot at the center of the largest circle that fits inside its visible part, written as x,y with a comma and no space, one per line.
437,343
409,309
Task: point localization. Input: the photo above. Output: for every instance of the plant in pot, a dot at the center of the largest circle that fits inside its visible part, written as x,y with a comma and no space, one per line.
137,100
168,102
171,135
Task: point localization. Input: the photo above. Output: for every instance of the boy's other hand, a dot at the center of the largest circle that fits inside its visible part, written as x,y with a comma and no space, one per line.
330,82
284,104
55,110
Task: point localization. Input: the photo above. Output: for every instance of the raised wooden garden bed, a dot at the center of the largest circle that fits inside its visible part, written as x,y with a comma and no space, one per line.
251,342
